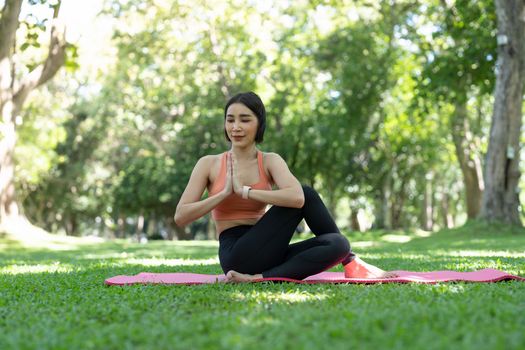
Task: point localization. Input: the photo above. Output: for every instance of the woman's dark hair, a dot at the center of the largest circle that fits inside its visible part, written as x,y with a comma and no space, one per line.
255,104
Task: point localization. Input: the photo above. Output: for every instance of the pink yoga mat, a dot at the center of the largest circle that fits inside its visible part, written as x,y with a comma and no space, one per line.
486,275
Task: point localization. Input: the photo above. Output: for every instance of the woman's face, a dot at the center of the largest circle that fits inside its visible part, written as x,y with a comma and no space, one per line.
241,124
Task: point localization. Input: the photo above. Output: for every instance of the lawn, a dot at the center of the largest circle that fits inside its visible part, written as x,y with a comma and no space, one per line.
56,299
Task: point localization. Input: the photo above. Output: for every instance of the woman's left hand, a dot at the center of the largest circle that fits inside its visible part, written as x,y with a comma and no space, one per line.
237,185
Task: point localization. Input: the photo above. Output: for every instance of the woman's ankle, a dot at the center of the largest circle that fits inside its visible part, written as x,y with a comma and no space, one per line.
348,259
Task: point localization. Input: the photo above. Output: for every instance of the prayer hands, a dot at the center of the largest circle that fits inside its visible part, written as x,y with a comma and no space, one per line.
232,183
228,183
236,183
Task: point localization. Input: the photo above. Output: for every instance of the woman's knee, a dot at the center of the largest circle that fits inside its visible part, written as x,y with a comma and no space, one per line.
339,244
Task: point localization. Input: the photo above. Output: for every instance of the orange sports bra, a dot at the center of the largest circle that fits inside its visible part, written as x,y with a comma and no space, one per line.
234,207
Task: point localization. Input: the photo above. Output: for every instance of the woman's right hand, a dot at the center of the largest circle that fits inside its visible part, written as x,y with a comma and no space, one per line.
228,183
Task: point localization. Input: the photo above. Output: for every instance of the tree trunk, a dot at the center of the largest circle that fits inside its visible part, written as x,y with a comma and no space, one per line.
151,227
13,94
428,202
139,228
448,219
354,220
383,219
331,205
121,227
168,223
70,224
8,25
181,232
212,233
469,160
397,205
8,204
502,173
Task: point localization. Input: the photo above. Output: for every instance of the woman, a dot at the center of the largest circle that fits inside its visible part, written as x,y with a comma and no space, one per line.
254,244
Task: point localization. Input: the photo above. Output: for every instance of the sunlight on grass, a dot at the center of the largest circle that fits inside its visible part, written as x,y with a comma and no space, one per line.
363,244
171,262
396,238
40,268
62,296
482,253
470,265
423,234
444,288
153,254
23,233
289,297
192,243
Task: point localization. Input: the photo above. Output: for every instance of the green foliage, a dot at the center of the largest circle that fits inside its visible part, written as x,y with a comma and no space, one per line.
166,95
359,96
71,63
462,50
146,182
66,195
33,35
40,130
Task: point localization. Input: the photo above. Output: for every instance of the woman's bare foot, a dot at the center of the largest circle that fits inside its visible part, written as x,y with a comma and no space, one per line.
360,269
234,276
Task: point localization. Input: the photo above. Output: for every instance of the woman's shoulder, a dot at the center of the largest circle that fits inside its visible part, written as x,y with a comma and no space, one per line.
272,156
210,159
210,164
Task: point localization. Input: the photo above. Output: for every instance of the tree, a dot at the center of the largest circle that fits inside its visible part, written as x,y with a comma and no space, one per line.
62,197
458,65
166,94
14,92
500,200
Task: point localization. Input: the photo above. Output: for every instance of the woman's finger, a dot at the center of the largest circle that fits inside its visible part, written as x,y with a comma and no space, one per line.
229,162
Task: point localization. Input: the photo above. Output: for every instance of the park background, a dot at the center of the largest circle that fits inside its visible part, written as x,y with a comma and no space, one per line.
384,107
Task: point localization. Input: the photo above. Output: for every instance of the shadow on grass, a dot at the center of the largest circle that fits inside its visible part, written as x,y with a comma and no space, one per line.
471,247
116,252
474,235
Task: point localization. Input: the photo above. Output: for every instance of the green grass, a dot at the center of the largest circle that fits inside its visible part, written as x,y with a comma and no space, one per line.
56,299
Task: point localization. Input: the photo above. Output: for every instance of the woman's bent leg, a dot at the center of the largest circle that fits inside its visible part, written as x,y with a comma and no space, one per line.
319,219
311,256
266,245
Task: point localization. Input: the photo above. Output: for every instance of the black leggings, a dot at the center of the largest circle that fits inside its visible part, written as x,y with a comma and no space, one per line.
265,247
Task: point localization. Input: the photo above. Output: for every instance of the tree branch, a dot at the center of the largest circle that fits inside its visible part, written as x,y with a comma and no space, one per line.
8,26
55,59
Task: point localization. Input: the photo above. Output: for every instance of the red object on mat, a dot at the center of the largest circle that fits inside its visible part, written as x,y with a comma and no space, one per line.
486,275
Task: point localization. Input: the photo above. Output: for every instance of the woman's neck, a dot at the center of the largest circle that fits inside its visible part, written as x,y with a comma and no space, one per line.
247,153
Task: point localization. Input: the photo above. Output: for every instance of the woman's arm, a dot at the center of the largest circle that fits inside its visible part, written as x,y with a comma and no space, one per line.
190,206
289,193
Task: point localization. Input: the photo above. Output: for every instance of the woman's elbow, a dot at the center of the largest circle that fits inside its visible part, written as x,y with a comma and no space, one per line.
179,220
299,201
